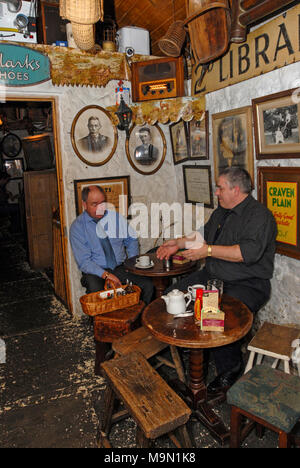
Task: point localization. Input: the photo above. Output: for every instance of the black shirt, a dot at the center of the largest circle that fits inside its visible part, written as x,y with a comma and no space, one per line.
252,226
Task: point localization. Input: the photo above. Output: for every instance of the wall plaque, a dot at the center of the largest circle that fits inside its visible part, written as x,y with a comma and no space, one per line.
21,66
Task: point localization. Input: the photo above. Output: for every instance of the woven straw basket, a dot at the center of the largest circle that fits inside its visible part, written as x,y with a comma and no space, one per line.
83,14
171,44
92,304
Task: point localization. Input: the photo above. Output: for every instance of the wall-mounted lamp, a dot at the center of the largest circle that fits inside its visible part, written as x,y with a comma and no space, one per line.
124,114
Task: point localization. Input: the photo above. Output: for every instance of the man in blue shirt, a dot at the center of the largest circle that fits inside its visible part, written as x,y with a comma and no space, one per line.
101,240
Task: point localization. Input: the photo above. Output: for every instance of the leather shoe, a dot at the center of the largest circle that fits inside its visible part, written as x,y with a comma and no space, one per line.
224,381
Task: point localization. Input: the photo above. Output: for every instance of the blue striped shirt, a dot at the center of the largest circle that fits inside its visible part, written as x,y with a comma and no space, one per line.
86,245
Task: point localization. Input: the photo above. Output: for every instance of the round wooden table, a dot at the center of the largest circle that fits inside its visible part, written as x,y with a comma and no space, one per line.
185,333
160,276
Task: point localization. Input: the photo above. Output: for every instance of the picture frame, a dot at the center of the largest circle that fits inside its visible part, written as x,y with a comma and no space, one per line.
94,136
179,141
14,168
198,185
279,190
114,187
277,125
146,148
233,140
198,138
38,152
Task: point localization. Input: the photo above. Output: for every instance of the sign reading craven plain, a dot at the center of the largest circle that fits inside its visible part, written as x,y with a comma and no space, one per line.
21,66
271,46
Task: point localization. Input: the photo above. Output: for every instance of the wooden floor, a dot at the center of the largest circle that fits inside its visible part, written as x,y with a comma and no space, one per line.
50,397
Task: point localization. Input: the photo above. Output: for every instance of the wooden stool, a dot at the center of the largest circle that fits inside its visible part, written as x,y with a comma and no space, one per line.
269,397
142,341
274,341
113,325
155,407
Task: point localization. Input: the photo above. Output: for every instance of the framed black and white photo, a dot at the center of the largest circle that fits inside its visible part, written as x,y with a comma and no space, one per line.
146,148
11,145
277,125
94,135
14,167
198,185
198,138
179,141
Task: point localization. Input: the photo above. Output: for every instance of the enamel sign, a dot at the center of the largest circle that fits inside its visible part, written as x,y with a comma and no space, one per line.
21,66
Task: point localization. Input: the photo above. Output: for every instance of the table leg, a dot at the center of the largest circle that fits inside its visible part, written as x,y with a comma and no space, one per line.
160,284
202,409
195,396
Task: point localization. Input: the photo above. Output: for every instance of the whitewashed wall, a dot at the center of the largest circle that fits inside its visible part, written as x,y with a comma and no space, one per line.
167,184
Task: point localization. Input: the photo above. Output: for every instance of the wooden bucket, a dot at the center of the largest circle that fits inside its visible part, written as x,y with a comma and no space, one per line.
171,44
209,24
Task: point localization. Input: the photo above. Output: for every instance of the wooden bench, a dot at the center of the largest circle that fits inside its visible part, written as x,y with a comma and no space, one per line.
155,407
274,341
141,340
112,325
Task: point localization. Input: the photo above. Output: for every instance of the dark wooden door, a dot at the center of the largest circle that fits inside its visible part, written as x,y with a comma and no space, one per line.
41,200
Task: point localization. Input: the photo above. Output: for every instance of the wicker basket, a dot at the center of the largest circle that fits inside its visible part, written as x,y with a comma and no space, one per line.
92,304
84,35
171,44
62,9
84,11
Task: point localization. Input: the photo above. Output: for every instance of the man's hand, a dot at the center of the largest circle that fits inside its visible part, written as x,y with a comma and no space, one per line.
113,280
167,249
196,254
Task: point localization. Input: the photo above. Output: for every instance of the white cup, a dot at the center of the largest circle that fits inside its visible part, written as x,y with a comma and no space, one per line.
193,289
143,261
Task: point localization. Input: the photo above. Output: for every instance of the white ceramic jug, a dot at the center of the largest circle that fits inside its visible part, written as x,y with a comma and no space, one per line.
175,301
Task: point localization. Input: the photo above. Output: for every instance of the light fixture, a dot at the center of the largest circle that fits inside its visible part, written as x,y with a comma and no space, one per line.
124,114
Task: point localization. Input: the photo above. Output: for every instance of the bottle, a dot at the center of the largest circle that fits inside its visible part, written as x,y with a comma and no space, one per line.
198,304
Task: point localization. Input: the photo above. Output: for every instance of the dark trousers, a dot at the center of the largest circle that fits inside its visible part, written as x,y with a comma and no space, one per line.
94,283
229,356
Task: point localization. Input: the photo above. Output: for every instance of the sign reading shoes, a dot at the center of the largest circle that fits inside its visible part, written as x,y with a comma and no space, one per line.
21,66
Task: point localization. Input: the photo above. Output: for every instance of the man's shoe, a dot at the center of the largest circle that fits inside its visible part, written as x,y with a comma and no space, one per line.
224,381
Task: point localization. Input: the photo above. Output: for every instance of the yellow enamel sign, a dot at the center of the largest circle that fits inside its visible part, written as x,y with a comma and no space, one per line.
282,201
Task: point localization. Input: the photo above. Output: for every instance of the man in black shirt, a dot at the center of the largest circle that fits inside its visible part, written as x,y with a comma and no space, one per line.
239,249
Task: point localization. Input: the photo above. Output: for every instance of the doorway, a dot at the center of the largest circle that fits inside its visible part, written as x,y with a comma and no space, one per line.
30,155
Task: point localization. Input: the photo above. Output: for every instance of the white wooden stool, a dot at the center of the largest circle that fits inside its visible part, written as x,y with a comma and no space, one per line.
274,341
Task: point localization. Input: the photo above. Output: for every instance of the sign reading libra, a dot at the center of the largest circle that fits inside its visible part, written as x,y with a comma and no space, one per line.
21,66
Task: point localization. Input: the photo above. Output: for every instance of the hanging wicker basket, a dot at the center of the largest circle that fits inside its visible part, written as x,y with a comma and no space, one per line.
83,14
171,44
62,9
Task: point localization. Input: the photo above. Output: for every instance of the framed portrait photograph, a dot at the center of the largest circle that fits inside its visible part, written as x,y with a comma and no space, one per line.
14,167
146,148
279,190
94,135
179,141
198,185
198,138
117,191
232,140
276,125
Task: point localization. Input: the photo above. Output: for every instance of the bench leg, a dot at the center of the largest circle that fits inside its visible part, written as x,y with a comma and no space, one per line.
105,424
284,440
141,439
185,437
250,362
178,364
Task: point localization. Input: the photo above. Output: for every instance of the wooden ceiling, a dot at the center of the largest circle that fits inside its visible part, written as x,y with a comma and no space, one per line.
157,15
154,15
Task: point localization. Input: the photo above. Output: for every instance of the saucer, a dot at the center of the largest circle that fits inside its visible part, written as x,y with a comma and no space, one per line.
144,267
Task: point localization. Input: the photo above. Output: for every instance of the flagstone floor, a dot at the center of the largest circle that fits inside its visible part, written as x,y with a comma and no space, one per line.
50,397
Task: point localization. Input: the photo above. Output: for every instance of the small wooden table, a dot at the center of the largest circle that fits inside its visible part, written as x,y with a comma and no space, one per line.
160,276
185,333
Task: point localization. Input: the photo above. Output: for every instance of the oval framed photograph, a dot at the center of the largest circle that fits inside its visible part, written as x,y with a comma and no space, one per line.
11,145
146,148
94,135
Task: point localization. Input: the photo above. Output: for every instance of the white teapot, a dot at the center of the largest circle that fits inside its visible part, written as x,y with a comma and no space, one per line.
175,301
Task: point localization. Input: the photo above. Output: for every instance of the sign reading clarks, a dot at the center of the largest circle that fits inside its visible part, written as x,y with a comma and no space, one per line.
273,45
21,66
